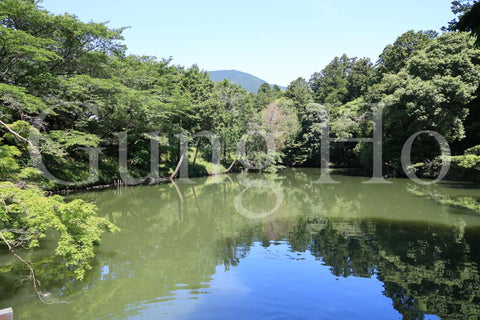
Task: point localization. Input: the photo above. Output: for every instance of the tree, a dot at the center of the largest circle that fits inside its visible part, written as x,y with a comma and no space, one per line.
459,8
230,113
394,57
37,46
470,21
342,80
431,92
281,122
330,85
264,88
360,78
26,214
313,122
265,95
300,93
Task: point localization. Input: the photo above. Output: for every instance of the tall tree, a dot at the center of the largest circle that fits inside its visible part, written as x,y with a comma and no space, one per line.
394,57
470,22
342,80
459,8
330,85
300,93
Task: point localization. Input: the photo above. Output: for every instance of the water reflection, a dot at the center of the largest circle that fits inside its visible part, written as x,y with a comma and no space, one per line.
183,250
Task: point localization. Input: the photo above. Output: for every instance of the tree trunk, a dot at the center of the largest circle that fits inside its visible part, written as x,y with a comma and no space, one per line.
180,161
224,150
196,154
179,150
222,146
231,166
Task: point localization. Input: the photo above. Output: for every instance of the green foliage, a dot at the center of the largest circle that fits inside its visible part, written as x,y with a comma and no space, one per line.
467,161
470,20
8,163
26,214
330,85
79,75
16,102
459,8
430,93
470,203
342,80
473,150
395,57
466,167
228,113
313,122
37,46
462,202
300,93
264,88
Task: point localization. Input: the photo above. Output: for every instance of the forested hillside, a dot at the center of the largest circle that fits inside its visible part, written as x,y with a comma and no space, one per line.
245,80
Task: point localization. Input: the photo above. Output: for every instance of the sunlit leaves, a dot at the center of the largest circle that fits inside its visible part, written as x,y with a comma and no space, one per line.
26,215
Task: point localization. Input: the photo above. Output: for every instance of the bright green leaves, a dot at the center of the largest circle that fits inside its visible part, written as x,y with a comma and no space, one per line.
436,86
15,102
451,54
8,164
330,85
80,229
37,46
26,214
430,92
59,142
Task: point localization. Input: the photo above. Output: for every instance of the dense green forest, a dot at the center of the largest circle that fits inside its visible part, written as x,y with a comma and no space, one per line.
68,89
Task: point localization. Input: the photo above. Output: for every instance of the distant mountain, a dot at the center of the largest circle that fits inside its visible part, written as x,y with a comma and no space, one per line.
246,80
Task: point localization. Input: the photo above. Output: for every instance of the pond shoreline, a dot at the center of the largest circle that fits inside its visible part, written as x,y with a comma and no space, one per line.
352,172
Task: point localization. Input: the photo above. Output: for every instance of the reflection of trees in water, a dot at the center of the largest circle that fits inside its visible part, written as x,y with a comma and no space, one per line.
164,242
425,269
462,198
438,270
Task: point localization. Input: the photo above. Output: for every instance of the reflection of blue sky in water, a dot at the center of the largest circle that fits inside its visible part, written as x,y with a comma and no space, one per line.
292,284
104,272
169,258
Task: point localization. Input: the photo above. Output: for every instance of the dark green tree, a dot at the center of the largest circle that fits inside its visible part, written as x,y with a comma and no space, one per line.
470,22
394,57
300,93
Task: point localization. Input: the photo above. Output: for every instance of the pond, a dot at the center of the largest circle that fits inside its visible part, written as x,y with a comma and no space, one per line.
276,246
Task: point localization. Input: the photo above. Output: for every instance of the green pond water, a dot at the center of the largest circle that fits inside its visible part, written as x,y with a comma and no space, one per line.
268,247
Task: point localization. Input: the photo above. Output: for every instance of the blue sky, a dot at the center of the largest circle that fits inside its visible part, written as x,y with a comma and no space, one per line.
277,41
